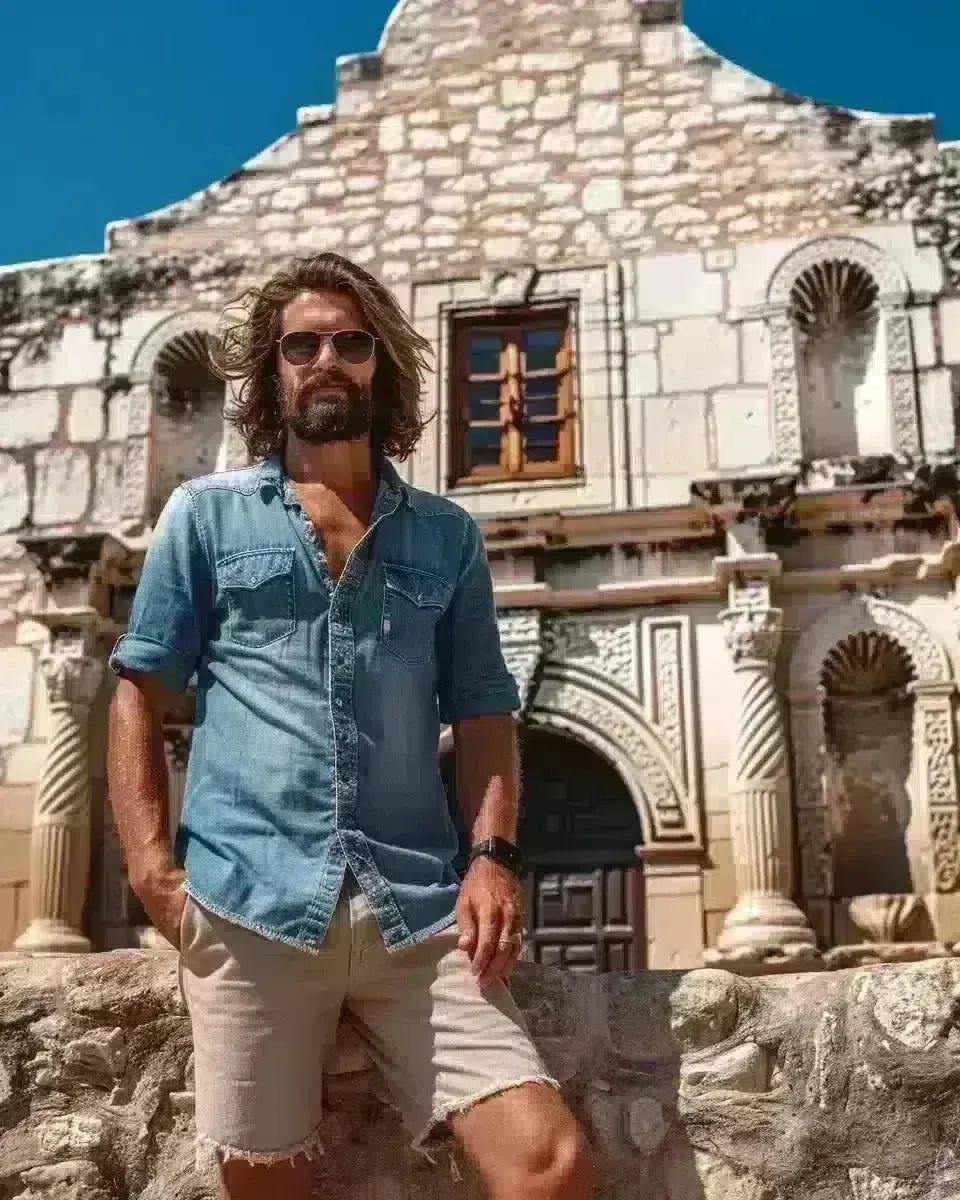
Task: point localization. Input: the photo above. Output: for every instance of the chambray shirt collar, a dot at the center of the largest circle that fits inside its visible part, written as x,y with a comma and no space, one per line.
391,493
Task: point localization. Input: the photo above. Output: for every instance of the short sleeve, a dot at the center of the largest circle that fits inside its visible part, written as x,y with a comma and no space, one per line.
473,680
171,608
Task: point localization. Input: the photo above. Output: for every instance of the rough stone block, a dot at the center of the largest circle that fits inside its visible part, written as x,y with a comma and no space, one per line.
603,196
14,501
743,428
108,486
16,694
515,92
598,116
924,344
602,78
676,285
700,353
28,418
62,486
85,416
555,106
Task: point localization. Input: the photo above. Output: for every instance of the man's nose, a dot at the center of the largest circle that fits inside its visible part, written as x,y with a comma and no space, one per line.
327,356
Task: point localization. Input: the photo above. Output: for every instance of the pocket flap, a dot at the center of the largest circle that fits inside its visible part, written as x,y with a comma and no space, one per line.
419,587
253,567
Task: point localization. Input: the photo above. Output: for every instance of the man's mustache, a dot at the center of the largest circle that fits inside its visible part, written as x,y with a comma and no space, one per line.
327,381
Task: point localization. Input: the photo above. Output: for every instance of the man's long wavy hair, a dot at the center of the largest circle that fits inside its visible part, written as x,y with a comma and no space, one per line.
246,354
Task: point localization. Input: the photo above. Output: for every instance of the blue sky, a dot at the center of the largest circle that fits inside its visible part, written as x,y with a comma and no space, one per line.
109,108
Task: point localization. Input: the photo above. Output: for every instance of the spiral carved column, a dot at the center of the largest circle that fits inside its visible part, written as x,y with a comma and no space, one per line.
764,923
60,835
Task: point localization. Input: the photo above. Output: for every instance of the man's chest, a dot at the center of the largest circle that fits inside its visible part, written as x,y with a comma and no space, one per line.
336,533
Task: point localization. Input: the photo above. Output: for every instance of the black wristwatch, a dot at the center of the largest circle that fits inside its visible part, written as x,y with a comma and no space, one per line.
501,851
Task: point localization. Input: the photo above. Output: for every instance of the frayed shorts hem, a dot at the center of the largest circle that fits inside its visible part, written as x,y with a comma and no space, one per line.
310,1147
441,1115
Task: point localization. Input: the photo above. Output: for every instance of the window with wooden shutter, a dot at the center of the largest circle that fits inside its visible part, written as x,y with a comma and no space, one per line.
514,397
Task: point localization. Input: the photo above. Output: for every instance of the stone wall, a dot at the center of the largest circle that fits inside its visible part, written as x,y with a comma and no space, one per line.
695,1087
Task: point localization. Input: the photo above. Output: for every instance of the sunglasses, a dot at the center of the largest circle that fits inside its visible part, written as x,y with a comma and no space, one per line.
354,346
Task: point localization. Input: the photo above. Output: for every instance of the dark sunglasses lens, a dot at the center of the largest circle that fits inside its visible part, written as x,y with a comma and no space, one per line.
300,348
353,345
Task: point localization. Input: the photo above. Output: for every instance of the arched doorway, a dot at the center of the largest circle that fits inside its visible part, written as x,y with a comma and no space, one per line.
584,885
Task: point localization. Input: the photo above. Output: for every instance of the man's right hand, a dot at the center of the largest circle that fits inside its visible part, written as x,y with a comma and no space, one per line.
160,890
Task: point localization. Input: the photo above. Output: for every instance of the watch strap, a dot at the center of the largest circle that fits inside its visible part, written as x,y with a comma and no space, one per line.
505,853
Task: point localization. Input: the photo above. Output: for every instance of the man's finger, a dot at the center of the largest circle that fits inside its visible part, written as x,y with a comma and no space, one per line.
507,952
487,936
467,921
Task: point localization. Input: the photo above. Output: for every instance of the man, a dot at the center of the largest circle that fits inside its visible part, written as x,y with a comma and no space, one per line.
334,617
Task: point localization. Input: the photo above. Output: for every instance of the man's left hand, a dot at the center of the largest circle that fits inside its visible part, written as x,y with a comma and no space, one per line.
489,912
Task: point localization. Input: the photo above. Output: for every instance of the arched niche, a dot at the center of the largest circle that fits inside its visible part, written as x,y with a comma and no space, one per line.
874,340
867,634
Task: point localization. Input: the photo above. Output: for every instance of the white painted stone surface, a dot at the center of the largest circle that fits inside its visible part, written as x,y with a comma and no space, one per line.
950,330
676,285
85,415
675,434
28,418
77,357
936,411
14,501
699,352
16,694
742,421
63,486
755,351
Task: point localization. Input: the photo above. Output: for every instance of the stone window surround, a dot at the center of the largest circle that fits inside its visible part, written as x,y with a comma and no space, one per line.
894,301
514,323
934,834
595,294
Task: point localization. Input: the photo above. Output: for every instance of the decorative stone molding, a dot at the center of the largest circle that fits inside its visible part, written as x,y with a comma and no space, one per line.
764,923
894,292
520,637
60,835
510,285
606,718
933,838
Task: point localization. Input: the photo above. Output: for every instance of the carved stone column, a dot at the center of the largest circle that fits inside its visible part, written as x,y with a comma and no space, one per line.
60,835
764,923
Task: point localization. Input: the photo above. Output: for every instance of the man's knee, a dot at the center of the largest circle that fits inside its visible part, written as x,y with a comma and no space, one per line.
244,1180
561,1164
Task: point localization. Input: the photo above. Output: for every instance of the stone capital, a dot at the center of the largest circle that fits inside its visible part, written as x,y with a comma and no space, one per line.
752,635
71,677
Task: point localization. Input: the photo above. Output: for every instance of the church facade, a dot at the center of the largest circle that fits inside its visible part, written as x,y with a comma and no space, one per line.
696,367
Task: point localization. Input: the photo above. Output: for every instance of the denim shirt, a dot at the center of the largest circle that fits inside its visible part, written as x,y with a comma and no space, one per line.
319,707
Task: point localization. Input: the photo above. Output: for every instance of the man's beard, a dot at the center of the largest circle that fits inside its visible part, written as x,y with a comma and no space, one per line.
344,415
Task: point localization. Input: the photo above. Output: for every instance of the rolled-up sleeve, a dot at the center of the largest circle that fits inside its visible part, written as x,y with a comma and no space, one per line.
171,609
473,680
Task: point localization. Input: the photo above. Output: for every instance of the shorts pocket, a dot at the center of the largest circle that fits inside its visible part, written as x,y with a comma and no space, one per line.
413,602
258,587
185,922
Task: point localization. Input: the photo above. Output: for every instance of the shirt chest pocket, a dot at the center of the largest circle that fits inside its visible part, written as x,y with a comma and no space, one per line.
258,587
413,603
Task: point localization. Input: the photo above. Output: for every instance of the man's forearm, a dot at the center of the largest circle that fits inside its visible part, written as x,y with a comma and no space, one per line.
488,776
138,784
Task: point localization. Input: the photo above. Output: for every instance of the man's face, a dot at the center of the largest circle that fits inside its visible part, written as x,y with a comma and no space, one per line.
327,400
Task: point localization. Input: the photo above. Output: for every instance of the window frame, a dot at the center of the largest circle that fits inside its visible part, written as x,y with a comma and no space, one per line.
519,321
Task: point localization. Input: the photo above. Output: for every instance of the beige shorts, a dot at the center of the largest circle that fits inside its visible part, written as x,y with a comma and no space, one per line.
265,1017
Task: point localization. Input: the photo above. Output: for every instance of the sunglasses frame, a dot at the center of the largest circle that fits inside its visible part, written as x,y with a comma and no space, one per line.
324,339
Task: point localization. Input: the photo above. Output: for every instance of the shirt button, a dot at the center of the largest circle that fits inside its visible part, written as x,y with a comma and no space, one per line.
311,531
338,702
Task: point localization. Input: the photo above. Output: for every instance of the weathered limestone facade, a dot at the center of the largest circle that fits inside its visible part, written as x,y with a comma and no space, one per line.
747,565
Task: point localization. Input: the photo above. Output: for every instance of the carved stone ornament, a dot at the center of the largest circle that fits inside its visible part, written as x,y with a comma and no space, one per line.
603,716
752,634
885,918
510,285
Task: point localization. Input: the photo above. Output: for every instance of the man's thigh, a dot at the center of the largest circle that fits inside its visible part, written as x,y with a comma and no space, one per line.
264,1016
442,1043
